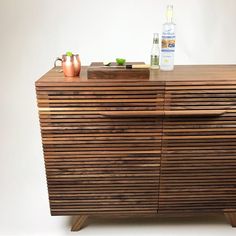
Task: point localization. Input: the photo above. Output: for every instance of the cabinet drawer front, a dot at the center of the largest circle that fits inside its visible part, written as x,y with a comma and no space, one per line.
200,96
97,164
90,99
199,153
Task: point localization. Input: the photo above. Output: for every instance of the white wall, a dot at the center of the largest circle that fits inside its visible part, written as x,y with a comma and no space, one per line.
33,33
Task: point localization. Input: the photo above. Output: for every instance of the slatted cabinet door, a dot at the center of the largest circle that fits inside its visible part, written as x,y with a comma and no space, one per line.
198,168
96,163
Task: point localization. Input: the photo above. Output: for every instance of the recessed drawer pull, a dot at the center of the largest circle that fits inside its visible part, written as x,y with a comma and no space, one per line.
163,113
195,113
132,113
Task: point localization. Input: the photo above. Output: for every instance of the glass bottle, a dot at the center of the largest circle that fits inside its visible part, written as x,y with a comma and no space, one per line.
155,53
168,41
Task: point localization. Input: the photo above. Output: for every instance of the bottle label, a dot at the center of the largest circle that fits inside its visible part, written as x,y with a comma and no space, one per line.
168,43
154,60
167,59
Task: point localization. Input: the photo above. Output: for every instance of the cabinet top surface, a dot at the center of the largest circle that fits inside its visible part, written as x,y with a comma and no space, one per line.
180,73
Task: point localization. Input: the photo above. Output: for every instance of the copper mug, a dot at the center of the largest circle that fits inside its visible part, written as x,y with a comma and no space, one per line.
71,65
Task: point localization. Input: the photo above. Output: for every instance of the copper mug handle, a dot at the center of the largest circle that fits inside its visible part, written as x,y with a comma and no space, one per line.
55,64
57,59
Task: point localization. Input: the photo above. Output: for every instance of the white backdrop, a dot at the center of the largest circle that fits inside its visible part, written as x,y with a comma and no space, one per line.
33,33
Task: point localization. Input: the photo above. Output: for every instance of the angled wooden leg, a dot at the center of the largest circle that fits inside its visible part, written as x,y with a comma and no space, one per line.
79,222
231,217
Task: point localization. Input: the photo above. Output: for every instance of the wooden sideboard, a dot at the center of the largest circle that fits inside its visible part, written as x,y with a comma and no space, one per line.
163,146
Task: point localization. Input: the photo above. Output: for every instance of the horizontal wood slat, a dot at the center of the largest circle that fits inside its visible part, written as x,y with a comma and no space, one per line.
97,164
163,113
198,165
161,146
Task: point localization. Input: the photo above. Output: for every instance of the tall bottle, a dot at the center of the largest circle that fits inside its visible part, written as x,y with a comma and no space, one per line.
155,53
168,41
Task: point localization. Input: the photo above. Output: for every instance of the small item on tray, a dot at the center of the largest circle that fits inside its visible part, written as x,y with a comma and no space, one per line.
120,61
106,63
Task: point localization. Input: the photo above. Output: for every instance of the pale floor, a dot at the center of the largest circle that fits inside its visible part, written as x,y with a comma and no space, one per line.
194,226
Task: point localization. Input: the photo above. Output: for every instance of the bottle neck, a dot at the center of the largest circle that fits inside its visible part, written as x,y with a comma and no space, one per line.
169,19
169,14
156,39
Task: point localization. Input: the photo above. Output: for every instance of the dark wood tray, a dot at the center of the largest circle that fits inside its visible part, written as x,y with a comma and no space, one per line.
96,71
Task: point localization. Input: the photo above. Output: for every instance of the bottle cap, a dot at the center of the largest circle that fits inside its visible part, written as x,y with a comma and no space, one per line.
169,12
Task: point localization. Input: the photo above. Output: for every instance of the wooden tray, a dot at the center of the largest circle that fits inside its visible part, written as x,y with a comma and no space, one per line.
96,71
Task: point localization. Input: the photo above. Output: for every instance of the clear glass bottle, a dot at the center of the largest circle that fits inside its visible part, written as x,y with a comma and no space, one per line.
155,53
168,41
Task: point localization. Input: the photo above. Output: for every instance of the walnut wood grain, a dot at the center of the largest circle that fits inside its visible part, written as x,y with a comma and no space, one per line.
97,71
230,215
163,113
198,160
206,74
163,146
96,164
79,222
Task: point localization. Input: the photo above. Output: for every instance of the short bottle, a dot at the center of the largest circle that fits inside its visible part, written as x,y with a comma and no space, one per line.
155,53
168,41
